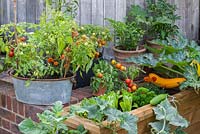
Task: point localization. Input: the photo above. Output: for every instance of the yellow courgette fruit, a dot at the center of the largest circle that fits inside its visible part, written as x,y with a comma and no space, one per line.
164,82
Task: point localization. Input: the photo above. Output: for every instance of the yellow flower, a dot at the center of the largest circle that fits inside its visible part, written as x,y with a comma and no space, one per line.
195,62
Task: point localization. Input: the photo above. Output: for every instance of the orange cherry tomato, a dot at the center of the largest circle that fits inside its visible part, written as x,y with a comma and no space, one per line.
123,68
55,63
118,65
62,57
50,60
134,88
100,75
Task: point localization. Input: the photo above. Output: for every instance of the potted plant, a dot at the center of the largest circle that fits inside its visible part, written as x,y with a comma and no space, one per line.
100,36
113,77
127,39
106,78
157,19
45,64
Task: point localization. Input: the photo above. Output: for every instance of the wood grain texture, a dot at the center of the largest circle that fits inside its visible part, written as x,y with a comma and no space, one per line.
188,106
94,12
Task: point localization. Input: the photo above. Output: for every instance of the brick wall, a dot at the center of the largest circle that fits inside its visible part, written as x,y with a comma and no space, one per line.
13,112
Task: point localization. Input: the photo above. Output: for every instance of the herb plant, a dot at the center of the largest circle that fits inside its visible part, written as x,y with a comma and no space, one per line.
167,116
51,122
127,34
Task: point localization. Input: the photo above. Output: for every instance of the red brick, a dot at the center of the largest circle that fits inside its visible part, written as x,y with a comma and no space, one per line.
31,111
11,92
6,124
14,105
3,131
3,100
7,114
14,128
21,109
19,119
81,94
73,100
0,121
9,103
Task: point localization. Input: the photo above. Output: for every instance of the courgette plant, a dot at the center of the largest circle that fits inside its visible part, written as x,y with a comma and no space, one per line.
173,58
51,122
167,116
103,108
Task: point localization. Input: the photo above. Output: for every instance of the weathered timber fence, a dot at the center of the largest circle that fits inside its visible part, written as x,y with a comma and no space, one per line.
94,12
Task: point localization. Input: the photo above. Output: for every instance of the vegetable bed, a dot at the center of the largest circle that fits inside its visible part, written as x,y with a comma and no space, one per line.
188,107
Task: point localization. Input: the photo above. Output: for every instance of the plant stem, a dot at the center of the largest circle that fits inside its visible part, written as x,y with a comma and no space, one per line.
164,120
172,70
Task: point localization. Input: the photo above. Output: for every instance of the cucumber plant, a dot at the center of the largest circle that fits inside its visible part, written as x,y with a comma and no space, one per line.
167,116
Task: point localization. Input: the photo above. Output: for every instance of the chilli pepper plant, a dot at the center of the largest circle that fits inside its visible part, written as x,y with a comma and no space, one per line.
54,49
127,34
157,19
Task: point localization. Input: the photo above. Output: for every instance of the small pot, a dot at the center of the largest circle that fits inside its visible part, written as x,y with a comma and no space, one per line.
101,91
43,91
121,55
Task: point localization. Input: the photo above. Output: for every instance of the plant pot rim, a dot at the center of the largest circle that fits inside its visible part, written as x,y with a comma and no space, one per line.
140,50
26,79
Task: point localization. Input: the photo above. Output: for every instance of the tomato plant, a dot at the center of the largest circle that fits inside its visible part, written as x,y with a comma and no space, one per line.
55,49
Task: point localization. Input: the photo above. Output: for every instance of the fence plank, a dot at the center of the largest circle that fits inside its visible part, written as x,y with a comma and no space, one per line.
21,10
98,12
94,12
86,12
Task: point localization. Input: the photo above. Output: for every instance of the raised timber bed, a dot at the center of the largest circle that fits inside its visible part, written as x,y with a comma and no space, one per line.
188,106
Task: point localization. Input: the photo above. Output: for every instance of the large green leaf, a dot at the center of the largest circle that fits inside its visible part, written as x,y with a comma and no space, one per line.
129,123
158,127
165,112
27,126
113,114
145,60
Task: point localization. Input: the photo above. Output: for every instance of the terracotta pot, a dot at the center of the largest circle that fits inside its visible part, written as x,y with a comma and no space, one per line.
101,91
121,55
153,45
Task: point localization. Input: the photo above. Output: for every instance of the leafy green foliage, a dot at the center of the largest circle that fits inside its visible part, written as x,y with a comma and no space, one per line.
110,78
52,50
142,97
128,35
193,79
167,115
158,19
99,109
176,54
51,122
68,7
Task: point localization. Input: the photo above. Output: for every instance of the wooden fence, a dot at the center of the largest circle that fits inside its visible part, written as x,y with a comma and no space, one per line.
94,12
